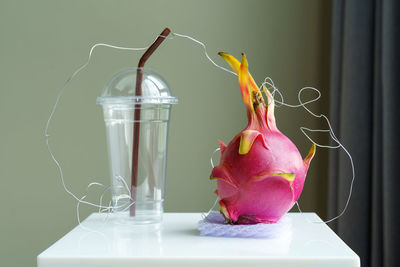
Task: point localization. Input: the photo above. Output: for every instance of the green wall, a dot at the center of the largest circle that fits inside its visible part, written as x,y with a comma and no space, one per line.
42,42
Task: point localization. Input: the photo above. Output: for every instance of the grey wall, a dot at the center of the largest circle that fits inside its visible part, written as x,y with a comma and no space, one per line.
42,42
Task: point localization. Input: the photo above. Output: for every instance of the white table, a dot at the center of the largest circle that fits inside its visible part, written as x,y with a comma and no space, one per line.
177,242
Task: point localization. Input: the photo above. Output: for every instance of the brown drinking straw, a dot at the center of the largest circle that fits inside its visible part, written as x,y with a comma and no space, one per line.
136,131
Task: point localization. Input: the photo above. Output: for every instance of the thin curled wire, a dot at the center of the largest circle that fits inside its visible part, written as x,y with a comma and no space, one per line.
267,81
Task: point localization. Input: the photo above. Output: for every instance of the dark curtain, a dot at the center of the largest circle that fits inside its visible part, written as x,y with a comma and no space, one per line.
365,90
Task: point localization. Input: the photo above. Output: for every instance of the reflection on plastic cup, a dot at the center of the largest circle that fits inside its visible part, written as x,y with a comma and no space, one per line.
119,104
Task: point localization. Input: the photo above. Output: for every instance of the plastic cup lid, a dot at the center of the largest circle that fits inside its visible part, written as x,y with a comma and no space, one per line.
121,89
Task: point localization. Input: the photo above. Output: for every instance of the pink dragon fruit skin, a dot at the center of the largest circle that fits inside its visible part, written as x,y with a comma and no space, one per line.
261,173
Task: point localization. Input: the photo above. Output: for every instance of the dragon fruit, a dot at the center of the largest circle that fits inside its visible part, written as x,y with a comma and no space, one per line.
261,173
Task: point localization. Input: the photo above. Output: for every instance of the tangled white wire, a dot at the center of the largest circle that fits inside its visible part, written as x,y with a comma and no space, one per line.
268,81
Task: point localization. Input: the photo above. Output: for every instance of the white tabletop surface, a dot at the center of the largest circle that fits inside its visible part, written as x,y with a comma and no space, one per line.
100,242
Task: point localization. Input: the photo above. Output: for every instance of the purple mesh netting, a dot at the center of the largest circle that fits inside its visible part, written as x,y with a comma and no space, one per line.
214,225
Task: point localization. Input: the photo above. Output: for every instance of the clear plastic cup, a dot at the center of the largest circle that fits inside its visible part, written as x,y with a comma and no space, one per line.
140,201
